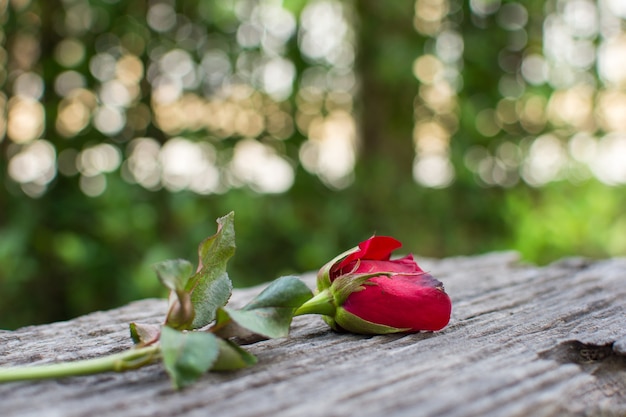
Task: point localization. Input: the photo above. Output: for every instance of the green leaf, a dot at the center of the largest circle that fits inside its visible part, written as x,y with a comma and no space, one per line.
144,334
286,291
187,355
232,357
174,273
180,313
270,313
226,328
269,322
210,286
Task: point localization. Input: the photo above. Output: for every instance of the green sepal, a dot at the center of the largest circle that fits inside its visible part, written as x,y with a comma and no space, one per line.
330,320
210,287
345,320
187,355
232,357
322,303
328,302
345,285
323,275
270,313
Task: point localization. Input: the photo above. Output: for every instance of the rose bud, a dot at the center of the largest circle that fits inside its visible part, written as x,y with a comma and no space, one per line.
364,291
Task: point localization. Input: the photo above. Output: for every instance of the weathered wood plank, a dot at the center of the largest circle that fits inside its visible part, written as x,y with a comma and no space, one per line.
523,341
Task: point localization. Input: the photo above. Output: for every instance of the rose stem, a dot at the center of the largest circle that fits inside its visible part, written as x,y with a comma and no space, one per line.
118,362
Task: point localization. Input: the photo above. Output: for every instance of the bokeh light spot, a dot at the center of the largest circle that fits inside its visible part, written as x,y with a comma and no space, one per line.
261,168
69,52
34,167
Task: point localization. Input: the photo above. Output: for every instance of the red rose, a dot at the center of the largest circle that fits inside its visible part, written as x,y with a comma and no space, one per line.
364,291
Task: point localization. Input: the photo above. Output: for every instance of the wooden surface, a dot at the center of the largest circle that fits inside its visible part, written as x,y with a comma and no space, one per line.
523,341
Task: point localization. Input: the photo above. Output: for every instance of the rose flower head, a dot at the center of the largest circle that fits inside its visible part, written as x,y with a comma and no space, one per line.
364,291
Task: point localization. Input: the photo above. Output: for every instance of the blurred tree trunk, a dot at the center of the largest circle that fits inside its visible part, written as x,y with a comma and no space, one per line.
387,46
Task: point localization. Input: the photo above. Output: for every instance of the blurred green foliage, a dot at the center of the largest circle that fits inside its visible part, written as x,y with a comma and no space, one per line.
67,248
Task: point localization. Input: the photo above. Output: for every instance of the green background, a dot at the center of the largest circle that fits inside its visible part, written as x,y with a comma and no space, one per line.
66,250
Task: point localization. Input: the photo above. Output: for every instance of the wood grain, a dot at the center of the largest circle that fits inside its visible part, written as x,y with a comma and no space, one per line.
523,341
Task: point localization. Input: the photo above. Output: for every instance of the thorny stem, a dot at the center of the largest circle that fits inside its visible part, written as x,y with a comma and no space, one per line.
118,362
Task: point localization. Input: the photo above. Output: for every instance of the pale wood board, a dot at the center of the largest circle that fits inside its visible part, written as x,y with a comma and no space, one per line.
523,341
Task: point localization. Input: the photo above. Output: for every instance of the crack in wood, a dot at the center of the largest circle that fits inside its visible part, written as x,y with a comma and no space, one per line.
573,351
602,361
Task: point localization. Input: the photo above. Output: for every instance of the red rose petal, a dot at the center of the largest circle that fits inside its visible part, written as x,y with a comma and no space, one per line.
377,248
404,265
415,302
